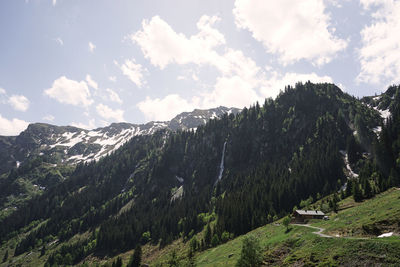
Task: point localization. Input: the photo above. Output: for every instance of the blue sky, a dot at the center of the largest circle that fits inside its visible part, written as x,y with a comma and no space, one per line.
91,63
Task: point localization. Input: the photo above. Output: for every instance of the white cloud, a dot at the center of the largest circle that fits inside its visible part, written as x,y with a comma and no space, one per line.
2,91
91,47
240,82
380,51
112,78
107,113
91,82
233,91
133,71
54,2
295,30
12,127
165,108
19,102
277,82
162,45
70,92
48,117
113,96
59,41
88,126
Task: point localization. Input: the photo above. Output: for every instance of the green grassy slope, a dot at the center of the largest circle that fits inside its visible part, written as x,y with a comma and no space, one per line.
301,247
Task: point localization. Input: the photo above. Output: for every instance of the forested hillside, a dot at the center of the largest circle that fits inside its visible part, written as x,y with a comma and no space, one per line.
44,155
228,176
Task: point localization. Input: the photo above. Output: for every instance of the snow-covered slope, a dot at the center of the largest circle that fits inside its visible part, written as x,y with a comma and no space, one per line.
383,104
66,144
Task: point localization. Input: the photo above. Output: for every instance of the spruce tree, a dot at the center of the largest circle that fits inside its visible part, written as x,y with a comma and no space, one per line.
5,256
250,256
207,235
136,258
43,251
357,195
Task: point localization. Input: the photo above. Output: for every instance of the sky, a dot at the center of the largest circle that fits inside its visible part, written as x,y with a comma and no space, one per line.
89,63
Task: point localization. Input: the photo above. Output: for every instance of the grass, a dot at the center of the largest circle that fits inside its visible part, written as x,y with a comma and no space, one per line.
301,247
380,214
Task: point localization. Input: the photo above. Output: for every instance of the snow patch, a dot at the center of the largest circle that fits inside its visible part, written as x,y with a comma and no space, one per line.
348,167
386,234
377,129
177,194
221,165
180,179
384,113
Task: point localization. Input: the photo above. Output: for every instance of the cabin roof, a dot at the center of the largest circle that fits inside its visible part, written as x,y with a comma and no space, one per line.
310,212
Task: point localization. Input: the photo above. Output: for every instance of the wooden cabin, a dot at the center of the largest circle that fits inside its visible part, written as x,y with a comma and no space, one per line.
303,216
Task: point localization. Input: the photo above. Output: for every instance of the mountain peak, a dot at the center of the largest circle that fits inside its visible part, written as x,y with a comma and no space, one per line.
73,145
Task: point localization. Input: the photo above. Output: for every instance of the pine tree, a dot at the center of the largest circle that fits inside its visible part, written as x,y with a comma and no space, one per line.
286,222
5,256
367,189
173,259
207,235
43,251
136,258
250,256
349,188
357,195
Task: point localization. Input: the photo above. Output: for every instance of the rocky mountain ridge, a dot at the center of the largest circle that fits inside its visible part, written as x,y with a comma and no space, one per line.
68,144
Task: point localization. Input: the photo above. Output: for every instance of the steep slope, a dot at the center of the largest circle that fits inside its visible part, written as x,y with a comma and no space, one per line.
272,157
300,247
73,145
44,154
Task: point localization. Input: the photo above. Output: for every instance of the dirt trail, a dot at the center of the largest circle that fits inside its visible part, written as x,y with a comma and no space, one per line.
319,232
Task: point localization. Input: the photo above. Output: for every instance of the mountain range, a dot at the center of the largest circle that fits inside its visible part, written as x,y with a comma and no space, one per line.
205,175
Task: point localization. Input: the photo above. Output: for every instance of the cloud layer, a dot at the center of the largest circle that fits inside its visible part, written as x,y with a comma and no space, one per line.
115,115
295,30
239,82
12,127
70,92
133,71
380,51
19,102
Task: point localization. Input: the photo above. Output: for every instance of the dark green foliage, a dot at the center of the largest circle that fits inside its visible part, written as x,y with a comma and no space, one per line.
357,194
117,262
136,258
43,251
191,260
215,240
349,189
207,235
250,256
286,222
173,260
194,244
5,258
